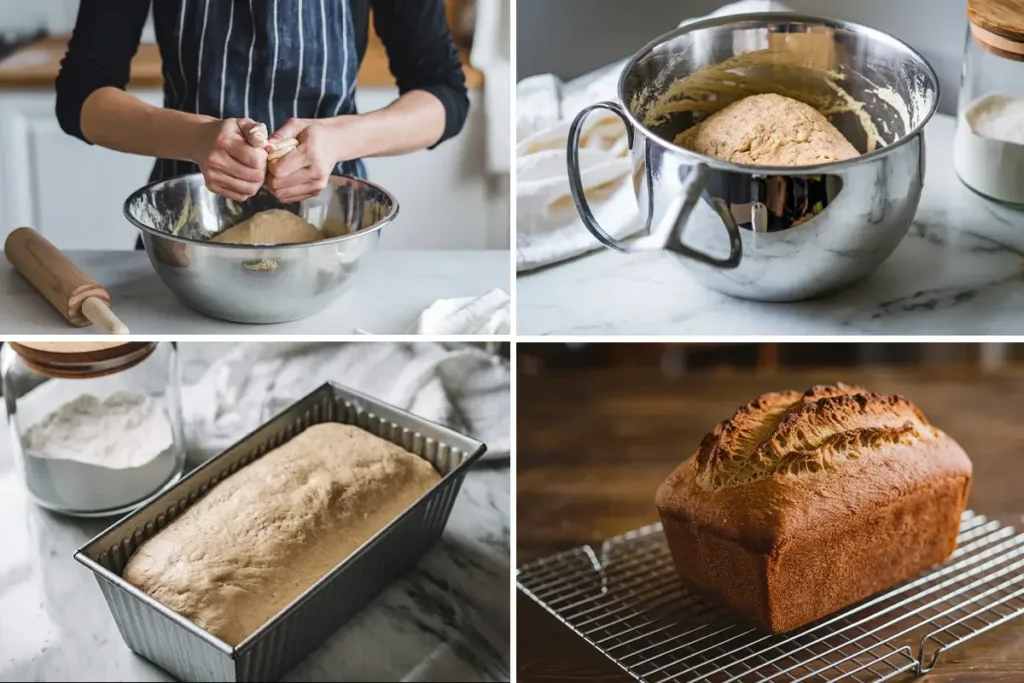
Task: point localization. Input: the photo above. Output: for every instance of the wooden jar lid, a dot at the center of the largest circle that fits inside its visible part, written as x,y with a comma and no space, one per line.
82,359
998,26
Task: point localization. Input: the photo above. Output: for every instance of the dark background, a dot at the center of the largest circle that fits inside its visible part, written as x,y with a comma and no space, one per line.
678,359
599,426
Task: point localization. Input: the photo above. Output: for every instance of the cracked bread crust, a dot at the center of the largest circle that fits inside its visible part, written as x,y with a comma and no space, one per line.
799,475
791,433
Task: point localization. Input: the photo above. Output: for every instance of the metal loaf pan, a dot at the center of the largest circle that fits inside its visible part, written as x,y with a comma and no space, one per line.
174,643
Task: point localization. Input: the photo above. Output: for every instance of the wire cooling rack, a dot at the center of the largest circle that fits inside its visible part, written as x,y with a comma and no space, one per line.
625,600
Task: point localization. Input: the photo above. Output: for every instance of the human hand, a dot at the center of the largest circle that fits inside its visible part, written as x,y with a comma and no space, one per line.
231,166
303,172
255,133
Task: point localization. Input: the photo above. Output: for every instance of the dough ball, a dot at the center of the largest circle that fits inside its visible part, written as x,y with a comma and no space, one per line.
768,130
274,226
256,135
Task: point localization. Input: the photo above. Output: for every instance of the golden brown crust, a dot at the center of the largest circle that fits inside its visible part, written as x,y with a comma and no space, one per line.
791,469
793,433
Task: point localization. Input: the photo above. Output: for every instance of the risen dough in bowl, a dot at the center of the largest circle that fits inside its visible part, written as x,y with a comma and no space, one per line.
768,130
274,226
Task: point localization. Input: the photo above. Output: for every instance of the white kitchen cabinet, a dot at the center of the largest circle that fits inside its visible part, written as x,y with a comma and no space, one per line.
73,192
70,191
446,199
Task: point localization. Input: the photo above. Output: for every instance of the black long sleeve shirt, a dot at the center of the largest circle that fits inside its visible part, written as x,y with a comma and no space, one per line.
207,42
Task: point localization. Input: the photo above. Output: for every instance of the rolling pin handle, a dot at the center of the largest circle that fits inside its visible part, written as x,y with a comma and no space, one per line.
99,314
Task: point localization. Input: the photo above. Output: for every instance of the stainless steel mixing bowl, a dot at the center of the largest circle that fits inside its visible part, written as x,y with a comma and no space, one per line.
772,234
263,284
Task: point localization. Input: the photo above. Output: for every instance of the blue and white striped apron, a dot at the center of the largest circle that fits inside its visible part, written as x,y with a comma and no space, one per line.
268,60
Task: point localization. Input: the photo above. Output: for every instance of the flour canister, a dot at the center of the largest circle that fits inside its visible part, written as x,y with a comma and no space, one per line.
988,152
96,427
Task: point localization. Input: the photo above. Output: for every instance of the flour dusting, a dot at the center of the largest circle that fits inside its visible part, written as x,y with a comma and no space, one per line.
893,99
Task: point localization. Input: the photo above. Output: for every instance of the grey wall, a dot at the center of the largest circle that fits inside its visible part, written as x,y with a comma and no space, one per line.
571,37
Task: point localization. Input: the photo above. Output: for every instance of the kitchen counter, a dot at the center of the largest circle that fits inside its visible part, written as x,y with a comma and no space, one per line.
36,66
595,444
958,271
386,298
447,619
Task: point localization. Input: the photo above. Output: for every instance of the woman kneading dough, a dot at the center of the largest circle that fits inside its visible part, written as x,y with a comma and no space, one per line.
291,66
768,130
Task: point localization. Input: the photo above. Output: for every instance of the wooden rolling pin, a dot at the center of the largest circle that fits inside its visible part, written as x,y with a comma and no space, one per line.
77,296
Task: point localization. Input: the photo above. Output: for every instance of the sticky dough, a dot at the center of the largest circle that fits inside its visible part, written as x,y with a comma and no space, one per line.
793,73
274,226
768,130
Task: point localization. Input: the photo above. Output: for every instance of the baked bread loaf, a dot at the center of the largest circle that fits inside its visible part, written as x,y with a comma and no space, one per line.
802,504
768,130
268,532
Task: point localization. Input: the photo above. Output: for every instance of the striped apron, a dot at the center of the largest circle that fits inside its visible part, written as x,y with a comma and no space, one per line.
268,60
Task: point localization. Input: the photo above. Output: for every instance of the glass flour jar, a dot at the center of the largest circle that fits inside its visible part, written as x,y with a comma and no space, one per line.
96,427
988,149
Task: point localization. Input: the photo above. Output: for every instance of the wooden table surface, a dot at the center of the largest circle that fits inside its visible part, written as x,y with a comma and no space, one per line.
593,445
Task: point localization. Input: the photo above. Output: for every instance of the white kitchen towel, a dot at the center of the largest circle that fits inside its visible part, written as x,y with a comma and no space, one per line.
548,228
465,388
538,104
489,314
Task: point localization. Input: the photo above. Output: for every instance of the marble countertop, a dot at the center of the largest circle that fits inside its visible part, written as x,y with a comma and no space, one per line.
959,271
447,619
399,284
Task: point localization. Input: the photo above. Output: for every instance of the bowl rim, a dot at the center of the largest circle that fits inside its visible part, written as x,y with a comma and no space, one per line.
710,22
227,245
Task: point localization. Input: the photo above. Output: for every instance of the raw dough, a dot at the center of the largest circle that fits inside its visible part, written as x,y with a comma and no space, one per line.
768,130
261,537
257,135
273,226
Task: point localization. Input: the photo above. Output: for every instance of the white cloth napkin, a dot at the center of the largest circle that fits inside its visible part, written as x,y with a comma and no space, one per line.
488,314
548,229
465,388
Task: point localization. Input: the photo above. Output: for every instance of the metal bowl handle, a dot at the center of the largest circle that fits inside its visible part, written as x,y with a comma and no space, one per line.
579,196
735,244
672,225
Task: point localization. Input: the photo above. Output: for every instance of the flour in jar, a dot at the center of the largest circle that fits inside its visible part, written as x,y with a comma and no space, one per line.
92,454
988,150
998,117
124,430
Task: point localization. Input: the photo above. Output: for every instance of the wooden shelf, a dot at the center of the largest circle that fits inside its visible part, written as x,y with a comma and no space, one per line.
35,66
